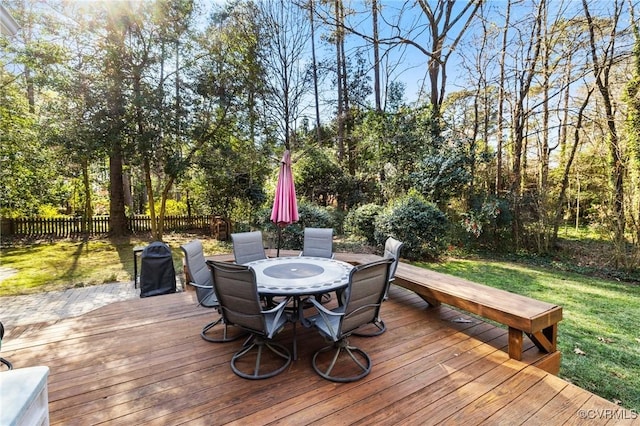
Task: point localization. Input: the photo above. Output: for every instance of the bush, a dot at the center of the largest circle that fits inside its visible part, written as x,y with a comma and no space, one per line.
361,222
416,222
487,224
172,208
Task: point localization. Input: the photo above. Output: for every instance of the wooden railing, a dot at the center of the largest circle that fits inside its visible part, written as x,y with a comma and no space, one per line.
99,225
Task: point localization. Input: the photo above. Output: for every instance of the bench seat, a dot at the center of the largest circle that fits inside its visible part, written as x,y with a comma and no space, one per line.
521,314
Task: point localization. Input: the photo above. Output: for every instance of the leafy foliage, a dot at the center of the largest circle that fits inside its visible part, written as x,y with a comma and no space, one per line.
317,176
28,176
418,223
362,221
486,217
443,172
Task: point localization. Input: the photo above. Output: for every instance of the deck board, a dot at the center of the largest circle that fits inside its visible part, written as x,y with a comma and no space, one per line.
143,361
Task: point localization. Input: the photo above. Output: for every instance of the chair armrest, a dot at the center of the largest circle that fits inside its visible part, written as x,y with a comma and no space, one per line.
325,314
362,308
278,310
280,306
322,309
204,287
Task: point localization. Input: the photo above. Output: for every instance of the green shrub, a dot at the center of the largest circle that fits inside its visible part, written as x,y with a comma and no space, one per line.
361,222
416,222
172,208
48,211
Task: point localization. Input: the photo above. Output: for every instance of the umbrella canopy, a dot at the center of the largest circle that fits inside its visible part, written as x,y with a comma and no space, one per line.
285,205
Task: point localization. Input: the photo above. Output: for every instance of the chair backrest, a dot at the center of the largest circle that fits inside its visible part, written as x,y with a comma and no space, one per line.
318,242
247,247
367,285
238,297
392,249
199,272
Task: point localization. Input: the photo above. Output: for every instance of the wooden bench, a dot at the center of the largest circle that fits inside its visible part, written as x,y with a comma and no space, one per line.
521,314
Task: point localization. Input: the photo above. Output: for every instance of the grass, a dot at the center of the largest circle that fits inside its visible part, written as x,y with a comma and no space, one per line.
598,336
65,264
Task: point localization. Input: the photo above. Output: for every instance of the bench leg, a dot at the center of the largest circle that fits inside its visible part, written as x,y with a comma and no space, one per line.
430,301
546,340
515,343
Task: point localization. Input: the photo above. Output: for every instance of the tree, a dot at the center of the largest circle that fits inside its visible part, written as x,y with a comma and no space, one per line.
284,37
112,116
436,36
603,55
314,64
26,163
235,157
28,160
632,98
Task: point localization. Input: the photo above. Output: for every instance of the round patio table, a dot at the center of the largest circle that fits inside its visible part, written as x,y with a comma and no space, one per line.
297,277
300,276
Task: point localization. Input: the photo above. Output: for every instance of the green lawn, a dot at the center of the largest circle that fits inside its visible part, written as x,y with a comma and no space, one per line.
599,336
66,264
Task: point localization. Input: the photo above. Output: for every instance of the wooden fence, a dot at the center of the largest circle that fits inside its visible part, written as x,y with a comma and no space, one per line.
99,225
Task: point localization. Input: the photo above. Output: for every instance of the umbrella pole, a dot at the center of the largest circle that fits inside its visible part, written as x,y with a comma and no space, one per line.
279,240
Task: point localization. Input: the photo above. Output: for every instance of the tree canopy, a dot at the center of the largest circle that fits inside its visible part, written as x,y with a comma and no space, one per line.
121,107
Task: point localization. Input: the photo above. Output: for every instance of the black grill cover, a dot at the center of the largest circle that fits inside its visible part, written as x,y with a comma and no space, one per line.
157,275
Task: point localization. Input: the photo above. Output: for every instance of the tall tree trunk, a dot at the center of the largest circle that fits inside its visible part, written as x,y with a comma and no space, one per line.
543,197
501,96
562,137
117,213
315,71
520,117
544,143
376,56
567,168
151,199
88,204
601,68
341,94
128,196
145,148
117,30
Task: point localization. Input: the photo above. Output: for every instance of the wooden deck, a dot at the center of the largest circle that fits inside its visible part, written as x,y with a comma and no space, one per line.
143,361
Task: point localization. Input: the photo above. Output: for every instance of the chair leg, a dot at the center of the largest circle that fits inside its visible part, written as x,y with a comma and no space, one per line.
225,337
6,363
262,347
380,328
357,356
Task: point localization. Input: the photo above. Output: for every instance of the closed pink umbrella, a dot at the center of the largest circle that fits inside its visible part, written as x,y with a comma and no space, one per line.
285,205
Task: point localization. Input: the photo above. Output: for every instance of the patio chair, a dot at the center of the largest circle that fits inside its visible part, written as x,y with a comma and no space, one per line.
198,275
392,249
247,247
3,361
363,297
318,242
240,305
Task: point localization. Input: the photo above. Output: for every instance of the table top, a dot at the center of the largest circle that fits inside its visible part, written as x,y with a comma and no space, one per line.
300,275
